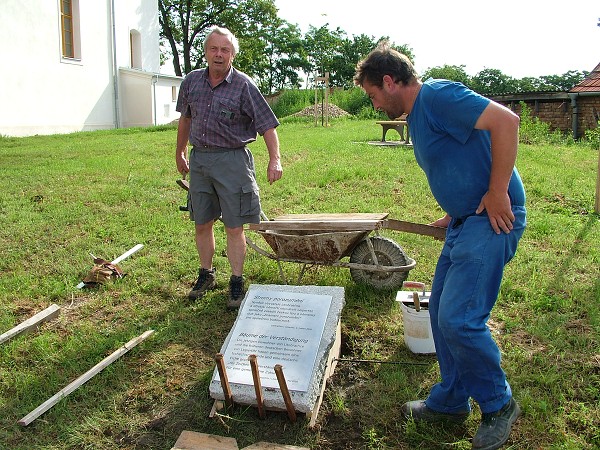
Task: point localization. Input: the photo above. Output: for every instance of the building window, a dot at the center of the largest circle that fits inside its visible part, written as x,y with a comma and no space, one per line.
69,26
173,93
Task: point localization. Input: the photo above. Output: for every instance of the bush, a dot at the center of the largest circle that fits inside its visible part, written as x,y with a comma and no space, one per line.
352,100
534,131
592,136
291,101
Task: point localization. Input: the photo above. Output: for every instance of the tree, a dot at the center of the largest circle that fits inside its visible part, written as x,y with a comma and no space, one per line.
288,57
321,46
185,23
343,64
493,82
563,82
446,72
283,57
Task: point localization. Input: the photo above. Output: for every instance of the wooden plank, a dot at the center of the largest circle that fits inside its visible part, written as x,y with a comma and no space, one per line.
317,225
82,379
417,228
191,440
332,216
35,321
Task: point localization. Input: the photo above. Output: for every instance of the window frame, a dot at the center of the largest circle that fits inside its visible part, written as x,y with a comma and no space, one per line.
70,36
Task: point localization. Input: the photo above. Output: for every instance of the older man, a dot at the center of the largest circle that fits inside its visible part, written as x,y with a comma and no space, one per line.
222,111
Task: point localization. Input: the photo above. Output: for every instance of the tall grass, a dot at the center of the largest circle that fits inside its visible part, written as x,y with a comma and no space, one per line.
63,197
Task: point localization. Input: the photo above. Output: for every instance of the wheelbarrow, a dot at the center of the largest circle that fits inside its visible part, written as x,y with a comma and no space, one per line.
325,239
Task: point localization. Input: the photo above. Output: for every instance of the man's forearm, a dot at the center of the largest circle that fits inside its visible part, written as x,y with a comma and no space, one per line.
183,135
272,143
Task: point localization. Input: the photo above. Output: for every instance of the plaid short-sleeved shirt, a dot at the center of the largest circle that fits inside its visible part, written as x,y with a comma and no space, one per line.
226,116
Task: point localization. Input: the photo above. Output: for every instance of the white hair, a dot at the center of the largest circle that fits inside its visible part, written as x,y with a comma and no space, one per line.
224,32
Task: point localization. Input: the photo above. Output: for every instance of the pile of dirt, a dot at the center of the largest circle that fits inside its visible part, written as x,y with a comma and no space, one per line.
309,111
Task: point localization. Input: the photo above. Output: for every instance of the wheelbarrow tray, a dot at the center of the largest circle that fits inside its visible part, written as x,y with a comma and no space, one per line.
319,247
323,222
321,238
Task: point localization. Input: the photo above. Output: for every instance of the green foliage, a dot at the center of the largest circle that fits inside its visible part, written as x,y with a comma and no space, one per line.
493,82
446,72
291,101
534,131
352,100
592,136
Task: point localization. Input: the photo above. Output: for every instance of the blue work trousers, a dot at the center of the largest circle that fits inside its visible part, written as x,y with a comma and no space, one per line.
464,290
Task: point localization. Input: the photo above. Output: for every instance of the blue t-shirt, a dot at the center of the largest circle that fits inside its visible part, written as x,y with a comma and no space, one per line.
455,157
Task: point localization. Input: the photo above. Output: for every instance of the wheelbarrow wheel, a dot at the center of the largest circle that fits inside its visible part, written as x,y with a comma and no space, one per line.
388,253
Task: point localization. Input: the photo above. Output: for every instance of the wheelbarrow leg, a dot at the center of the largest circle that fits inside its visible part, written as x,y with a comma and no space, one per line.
372,250
281,273
301,273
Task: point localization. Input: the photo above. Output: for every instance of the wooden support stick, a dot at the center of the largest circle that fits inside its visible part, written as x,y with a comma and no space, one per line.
82,379
257,386
49,313
285,392
224,380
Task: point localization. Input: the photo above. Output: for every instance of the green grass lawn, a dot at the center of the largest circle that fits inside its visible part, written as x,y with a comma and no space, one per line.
64,197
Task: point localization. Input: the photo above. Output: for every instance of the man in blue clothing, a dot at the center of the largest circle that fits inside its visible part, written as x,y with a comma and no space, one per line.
222,111
467,147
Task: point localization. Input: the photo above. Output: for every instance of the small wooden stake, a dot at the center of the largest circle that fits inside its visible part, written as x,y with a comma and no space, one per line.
257,386
224,380
82,379
49,313
286,393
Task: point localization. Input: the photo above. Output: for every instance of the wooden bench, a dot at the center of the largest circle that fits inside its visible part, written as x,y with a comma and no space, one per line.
399,125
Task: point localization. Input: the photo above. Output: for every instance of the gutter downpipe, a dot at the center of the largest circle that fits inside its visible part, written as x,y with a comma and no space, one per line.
154,81
114,58
575,116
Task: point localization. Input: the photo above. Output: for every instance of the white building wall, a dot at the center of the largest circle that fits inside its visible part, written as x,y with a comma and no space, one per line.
147,98
43,93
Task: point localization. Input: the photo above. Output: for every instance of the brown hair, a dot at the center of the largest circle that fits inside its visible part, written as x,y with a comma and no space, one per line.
384,60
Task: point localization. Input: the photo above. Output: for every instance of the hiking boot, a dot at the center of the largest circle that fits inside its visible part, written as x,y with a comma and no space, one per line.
205,282
419,411
236,292
495,427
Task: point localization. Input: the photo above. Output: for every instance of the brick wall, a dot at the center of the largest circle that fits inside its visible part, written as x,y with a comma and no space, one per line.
558,112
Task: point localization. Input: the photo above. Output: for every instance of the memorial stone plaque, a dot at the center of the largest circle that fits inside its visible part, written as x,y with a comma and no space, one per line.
294,326
279,328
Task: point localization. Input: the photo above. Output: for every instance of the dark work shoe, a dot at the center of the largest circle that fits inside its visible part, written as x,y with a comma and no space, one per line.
495,427
419,411
205,282
236,292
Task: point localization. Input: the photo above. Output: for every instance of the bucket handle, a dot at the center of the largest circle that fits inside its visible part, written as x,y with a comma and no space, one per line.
414,285
417,285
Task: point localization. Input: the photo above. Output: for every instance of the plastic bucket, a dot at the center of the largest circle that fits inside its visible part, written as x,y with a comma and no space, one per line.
417,327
